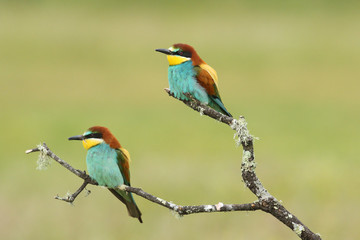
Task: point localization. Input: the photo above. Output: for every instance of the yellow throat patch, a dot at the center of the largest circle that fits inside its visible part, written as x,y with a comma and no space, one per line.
176,60
91,142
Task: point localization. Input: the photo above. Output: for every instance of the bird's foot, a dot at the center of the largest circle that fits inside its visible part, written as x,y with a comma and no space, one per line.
122,187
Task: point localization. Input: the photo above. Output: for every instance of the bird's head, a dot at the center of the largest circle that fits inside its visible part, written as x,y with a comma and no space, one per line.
95,136
180,53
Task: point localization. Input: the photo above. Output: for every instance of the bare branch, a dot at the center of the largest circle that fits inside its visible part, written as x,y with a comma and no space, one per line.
203,109
179,209
70,198
186,210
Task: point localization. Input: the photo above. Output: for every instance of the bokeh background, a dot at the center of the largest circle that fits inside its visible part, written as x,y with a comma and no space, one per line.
290,67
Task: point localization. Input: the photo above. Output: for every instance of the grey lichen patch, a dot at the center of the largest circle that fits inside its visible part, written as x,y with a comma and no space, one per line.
163,202
176,214
68,198
209,208
173,206
43,161
242,134
247,165
68,195
201,110
219,206
261,192
298,228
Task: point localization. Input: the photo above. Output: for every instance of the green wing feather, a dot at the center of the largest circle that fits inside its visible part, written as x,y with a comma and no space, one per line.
123,158
218,105
207,78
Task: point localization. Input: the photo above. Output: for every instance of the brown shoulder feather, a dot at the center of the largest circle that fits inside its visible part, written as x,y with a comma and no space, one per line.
205,79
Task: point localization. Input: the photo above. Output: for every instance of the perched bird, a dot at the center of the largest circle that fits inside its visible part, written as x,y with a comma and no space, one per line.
108,164
188,73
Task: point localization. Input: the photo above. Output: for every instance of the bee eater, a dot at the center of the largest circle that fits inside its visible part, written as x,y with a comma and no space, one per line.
188,73
108,164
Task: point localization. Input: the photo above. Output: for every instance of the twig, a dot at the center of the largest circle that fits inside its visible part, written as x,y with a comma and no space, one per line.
70,198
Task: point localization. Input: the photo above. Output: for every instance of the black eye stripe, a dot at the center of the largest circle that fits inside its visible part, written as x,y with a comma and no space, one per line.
183,53
94,135
187,54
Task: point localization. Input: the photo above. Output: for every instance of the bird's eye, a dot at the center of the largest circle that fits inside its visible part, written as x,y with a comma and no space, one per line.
180,53
186,54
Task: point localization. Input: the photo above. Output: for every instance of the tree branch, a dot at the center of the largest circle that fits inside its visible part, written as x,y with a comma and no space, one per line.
187,210
266,202
45,152
70,198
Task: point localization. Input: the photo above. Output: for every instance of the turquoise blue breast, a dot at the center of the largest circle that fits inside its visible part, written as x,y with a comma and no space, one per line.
102,165
182,80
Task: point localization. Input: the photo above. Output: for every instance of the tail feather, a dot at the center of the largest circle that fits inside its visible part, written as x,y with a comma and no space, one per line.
217,104
130,204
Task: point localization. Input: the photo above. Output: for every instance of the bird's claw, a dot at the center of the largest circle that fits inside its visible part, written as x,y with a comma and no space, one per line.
122,187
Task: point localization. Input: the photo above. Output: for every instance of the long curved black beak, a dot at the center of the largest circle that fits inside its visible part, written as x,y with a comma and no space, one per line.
165,51
77,137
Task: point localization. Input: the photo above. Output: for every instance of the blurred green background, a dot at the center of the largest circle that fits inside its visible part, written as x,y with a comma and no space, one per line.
291,68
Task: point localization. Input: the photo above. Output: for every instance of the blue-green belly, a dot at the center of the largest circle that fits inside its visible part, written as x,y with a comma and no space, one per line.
182,80
102,165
